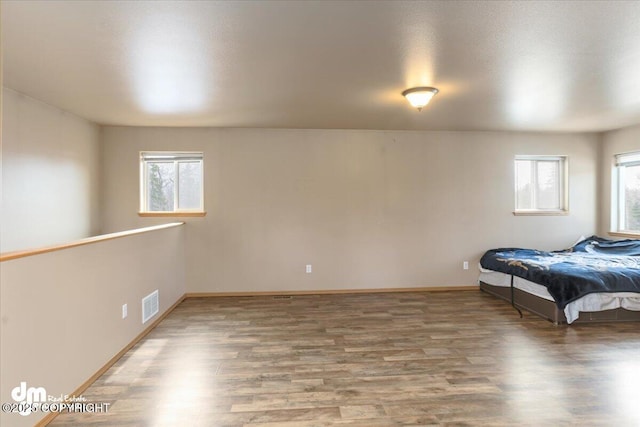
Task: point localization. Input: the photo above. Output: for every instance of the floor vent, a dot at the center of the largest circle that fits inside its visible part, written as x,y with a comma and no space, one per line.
282,297
150,306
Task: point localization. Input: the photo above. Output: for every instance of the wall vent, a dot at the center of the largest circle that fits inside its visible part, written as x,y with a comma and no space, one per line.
282,297
150,306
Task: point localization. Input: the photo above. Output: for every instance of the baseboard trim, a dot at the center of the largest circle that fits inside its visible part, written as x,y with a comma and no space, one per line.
46,420
331,291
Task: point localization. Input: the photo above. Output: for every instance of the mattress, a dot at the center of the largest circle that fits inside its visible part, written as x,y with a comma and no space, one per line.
588,303
595,265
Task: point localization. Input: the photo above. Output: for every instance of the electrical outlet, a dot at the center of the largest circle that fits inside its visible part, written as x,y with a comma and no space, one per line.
308,270
465,265
124,311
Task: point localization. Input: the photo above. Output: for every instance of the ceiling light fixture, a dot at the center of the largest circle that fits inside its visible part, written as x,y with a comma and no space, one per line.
419,96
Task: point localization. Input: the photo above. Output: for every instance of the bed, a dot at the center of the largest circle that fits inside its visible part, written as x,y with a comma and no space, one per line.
595,280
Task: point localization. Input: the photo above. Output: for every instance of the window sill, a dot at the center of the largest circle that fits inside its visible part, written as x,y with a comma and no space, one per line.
540,213
171,214
630,234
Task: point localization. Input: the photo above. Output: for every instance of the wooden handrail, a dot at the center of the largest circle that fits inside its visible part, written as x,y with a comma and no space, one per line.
29,252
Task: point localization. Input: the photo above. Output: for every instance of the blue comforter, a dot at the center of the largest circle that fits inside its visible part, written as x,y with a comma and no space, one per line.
592,265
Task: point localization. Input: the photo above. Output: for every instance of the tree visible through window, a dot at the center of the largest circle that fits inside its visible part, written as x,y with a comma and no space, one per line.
171,182
628,192
540,184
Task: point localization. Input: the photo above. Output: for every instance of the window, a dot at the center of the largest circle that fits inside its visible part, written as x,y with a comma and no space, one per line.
626,208
541,185
171,183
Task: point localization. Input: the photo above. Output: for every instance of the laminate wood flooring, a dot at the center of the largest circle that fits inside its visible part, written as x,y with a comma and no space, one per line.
458,358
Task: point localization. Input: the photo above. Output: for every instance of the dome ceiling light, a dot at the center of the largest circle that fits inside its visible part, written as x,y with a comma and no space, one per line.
420,96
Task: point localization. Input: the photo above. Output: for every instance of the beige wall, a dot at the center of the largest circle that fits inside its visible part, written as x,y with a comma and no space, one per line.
613,142
50,161
61,311
368,209
1,130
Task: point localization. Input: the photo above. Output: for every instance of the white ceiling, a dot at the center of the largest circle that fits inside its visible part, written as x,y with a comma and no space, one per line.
543,66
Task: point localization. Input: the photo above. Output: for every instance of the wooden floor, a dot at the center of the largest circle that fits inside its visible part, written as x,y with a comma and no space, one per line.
452,358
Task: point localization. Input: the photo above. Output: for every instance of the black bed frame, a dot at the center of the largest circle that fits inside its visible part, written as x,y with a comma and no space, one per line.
548,309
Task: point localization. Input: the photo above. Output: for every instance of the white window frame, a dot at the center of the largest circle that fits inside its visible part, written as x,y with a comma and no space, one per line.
618,210
174,157
563,185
